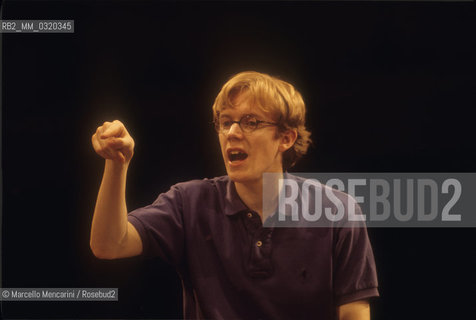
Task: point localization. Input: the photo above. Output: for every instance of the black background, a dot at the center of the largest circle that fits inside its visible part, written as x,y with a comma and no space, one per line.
389,88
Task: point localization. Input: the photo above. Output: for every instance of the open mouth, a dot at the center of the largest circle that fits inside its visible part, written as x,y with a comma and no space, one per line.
237,155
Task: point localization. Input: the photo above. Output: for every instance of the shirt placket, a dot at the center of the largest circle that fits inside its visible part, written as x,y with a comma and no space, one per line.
259,264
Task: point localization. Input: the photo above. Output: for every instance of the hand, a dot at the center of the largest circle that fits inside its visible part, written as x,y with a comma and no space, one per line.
112,141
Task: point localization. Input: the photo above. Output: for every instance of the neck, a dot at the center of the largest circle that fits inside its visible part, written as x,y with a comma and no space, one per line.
252,194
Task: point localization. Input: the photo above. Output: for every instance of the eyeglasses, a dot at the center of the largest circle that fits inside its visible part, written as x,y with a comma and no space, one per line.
247,123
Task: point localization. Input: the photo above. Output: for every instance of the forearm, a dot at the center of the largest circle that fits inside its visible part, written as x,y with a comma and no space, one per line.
109,226
358,310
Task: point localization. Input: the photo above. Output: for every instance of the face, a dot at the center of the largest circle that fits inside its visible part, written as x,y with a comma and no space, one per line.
248,155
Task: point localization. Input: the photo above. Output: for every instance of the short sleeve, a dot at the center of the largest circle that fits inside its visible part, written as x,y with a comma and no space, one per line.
160,226
355,274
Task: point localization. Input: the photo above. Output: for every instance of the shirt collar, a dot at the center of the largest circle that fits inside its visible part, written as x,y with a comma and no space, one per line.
233,203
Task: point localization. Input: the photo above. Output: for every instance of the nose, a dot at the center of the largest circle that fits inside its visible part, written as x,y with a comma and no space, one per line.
235,131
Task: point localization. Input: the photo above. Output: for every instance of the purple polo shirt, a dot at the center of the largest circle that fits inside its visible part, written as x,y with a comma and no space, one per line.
233,268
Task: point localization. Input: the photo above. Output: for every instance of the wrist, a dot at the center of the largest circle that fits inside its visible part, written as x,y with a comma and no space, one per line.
115,166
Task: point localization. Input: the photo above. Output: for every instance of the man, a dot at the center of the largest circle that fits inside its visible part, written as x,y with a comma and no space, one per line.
212,230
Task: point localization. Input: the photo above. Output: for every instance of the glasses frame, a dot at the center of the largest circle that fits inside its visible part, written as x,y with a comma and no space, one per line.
258,122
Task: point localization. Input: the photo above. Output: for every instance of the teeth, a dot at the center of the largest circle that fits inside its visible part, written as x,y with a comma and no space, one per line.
236,155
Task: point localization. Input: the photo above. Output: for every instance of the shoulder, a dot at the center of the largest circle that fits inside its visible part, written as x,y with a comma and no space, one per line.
194,194
199,188
329,205
331,196
202,184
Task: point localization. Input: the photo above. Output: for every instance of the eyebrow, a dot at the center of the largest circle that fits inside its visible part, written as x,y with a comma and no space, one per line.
246,114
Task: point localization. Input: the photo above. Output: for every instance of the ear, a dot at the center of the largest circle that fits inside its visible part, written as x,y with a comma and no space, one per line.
287,139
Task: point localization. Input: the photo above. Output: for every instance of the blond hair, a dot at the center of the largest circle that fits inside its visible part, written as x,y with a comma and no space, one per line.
274,96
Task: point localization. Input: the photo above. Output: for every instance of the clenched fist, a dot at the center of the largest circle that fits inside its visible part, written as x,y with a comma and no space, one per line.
112,141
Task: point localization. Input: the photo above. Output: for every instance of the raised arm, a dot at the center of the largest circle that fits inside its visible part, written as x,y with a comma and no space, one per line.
112,236
358,310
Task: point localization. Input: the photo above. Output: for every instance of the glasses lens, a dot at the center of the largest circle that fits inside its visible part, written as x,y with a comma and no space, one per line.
223,124
249,123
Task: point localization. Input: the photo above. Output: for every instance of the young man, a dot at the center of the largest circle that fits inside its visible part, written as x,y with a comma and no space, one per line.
212,230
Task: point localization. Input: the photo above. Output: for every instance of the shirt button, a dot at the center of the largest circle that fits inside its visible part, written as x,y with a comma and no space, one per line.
259,243
250,215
